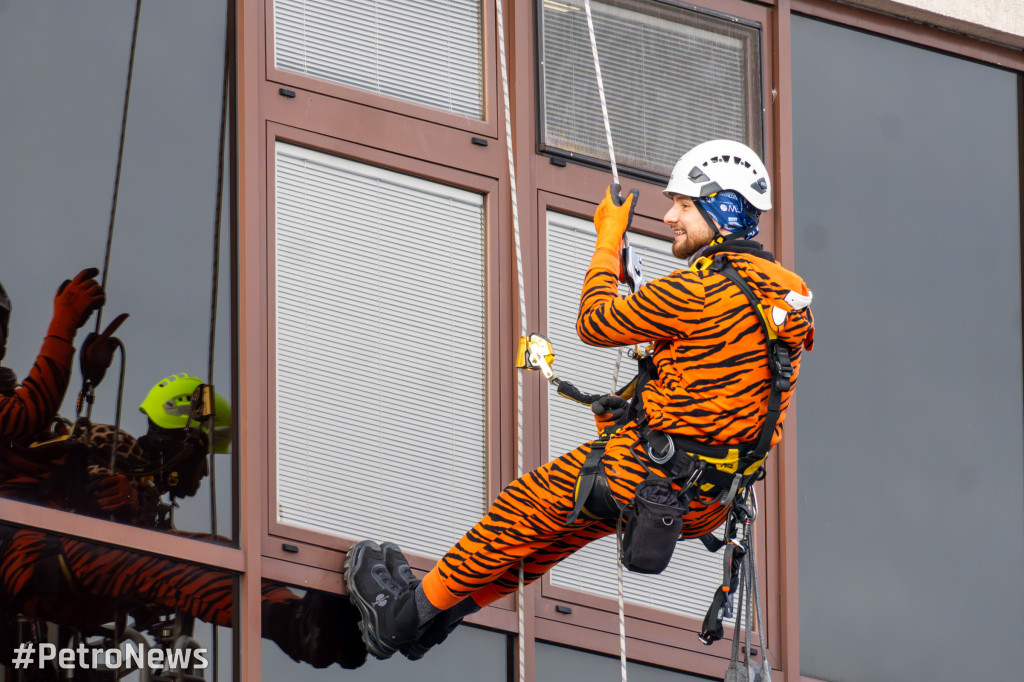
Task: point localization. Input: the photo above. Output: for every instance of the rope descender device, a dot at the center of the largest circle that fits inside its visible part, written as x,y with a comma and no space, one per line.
536,353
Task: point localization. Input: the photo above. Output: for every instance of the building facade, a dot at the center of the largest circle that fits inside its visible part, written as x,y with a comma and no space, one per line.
352,289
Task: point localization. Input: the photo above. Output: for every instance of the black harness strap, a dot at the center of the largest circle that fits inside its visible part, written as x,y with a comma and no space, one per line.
586,480
779,364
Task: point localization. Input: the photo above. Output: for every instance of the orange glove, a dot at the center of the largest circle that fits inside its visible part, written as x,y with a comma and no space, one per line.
75,301
613,216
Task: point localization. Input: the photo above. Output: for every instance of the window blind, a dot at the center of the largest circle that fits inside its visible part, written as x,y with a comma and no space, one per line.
380,352
688,584
428,53
673,78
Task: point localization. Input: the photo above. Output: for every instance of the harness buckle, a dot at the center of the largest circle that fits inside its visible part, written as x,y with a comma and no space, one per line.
698,471
782,366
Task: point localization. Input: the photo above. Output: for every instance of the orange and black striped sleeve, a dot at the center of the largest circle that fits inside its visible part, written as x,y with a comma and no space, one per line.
665,308
33,404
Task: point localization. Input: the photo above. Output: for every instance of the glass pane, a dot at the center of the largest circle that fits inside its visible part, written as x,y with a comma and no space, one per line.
367,45
571,665
907,177
706,86
369,321
83,610
68,63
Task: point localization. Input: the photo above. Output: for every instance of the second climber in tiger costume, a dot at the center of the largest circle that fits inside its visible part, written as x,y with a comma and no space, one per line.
708,394
81,584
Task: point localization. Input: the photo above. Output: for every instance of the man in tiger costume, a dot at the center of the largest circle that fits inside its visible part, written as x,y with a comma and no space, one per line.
80,584
702,419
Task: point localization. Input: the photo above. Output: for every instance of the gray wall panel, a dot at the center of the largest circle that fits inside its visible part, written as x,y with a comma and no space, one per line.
910,409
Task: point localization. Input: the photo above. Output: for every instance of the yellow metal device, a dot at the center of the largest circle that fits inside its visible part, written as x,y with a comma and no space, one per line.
535,353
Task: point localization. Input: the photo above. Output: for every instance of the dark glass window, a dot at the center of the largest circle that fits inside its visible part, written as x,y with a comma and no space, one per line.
660,101
908,224
92,598
468,653
63,70
572,665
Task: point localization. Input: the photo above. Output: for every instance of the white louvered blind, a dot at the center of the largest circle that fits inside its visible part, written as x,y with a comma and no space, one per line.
690,581
673,78
380,352
429,53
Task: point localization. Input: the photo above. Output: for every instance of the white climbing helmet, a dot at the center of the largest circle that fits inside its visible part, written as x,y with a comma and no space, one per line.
720,165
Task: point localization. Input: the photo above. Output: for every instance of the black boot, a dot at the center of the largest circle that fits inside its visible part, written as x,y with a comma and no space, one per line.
387,608
398,566
436,629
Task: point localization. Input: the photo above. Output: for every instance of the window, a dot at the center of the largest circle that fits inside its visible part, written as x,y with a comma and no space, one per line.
380,352
468,653
571,665
688,584
423,52
661,101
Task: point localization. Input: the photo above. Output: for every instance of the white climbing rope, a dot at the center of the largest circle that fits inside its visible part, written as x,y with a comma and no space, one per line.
618,359
522,314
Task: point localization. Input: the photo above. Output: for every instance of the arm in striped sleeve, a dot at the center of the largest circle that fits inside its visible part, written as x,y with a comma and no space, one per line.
665,308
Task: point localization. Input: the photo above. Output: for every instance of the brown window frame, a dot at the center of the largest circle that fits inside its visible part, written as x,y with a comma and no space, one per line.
493,204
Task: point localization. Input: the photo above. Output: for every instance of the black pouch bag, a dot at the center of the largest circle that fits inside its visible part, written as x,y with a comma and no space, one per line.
654,520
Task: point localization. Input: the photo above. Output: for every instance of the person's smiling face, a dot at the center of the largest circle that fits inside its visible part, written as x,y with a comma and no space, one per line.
691,230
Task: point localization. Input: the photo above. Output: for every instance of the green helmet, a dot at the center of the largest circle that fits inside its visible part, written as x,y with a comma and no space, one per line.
168,404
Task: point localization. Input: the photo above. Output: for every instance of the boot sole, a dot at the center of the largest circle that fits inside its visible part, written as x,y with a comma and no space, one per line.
367,614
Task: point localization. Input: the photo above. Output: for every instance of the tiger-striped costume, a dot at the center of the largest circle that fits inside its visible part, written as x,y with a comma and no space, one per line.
26,412
79,584
712,385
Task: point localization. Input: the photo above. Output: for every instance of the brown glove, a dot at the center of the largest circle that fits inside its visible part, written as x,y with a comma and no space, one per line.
114,494
75,301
